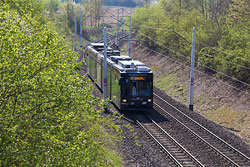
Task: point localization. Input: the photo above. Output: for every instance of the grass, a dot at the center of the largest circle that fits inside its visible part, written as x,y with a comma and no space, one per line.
124,50
114,158
201,100
170,84
238,122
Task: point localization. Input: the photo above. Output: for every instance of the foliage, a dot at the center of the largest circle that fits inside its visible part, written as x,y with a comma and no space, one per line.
239,12
167,27
94,9
34,8
48,115
236,42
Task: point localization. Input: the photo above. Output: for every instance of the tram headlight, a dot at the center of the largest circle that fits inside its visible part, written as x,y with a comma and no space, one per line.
149,100
124,100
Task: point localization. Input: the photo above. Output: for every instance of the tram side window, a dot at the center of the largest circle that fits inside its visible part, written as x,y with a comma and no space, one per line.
126,90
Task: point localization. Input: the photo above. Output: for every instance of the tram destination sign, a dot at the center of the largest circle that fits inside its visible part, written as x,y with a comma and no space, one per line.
137,78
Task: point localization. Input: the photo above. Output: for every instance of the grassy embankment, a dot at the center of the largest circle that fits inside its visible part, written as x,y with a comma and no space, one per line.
236,121
177,86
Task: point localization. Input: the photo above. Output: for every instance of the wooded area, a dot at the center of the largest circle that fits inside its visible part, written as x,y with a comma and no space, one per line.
49,116
222,33
62,15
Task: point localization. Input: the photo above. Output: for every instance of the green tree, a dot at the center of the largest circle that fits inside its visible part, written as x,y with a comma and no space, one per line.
31,8
52,6
222,25
48,115
239,13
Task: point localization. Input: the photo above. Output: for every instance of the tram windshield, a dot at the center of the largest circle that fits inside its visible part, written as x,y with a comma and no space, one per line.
137,88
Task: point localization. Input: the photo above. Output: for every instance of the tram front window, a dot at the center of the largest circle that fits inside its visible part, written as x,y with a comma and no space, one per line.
136,88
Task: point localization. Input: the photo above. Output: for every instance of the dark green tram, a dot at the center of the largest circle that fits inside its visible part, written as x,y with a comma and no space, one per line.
129,82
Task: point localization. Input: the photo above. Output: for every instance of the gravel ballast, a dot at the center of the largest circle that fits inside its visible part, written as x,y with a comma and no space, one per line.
138,150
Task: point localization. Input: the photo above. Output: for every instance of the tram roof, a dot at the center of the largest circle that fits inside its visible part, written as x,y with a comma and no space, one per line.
123,63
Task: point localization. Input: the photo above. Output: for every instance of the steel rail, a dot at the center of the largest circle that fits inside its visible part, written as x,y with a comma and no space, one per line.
205,129
178,144
171,140
165,150
198,136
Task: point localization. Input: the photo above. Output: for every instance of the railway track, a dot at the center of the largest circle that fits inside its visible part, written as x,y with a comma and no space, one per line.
198,132
177,153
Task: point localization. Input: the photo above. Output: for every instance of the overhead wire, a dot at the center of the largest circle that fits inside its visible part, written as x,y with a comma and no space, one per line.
115,17
196,62
171,30
223,59
212,78
225,52
200,62
196,49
